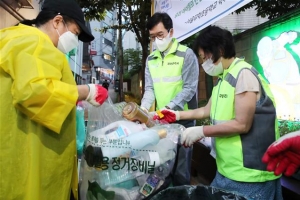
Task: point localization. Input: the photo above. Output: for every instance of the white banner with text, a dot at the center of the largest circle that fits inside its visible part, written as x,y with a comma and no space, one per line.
191,16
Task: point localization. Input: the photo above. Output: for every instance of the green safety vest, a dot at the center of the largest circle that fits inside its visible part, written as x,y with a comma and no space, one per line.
166,73
239,156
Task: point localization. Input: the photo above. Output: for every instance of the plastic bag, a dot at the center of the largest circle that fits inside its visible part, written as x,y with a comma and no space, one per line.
125,166
195,193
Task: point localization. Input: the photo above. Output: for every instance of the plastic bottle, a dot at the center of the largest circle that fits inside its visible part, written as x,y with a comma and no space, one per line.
155,180
164,151
164,156
133,112
112,177
115,130
95,155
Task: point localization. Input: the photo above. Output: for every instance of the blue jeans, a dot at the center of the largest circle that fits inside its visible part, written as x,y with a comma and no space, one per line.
269,190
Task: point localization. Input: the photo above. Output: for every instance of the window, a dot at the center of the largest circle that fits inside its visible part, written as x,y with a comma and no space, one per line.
107,42
104,24
107,56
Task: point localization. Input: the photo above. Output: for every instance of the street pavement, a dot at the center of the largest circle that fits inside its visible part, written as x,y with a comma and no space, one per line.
112,94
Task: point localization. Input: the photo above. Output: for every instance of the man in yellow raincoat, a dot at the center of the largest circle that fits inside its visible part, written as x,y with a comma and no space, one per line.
37,104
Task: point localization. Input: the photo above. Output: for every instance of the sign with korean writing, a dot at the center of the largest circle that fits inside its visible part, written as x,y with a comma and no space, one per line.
190,16
93,52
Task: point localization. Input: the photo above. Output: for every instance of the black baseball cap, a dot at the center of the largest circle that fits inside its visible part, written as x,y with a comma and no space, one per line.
71,9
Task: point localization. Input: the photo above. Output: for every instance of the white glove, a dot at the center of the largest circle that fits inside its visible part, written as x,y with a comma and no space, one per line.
192,135
175,112
97,94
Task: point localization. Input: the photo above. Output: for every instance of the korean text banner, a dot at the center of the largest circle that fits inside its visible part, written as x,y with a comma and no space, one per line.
190,16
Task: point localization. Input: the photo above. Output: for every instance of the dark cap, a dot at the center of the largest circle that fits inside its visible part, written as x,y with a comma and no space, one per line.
71,9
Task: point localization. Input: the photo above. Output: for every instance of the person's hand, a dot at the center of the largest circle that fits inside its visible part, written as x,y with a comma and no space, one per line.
283,156
169,116
97,94
192,135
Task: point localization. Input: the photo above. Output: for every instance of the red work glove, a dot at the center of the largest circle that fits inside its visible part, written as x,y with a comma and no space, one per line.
169,116
97,94
283,156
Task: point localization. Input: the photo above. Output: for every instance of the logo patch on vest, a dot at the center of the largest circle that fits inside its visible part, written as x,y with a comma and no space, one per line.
155,66
223,95
173,63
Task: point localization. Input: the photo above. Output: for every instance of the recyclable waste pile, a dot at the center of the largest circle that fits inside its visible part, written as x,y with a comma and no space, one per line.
126,155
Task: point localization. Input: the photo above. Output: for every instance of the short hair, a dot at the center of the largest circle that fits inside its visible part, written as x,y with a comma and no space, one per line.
158,17
217,41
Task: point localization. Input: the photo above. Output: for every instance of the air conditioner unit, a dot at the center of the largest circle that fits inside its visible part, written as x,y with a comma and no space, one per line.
17,4
25,4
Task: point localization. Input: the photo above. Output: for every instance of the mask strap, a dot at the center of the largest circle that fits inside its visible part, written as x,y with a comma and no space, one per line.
57,32
65,26
64,22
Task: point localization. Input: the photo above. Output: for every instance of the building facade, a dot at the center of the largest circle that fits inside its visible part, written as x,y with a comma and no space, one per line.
14,11
237,23
103,48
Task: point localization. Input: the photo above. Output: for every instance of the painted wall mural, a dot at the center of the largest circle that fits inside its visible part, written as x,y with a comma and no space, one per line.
279,58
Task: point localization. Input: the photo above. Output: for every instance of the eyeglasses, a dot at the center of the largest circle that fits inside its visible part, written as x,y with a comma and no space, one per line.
159,36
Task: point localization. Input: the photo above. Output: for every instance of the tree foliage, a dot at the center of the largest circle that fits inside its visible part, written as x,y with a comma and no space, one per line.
135,14
96,9
190,40
132,60
271,8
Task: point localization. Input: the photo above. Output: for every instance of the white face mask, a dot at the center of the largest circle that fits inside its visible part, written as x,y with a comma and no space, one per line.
211,69
163,44
67,41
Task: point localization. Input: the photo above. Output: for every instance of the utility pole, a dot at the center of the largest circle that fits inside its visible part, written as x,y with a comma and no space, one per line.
120,51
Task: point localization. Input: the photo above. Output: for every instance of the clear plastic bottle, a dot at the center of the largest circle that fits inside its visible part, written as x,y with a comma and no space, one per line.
155,180
164,151
163,154
115,130
112,177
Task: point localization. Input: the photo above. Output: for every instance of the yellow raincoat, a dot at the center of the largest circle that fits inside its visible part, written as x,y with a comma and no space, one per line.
37,118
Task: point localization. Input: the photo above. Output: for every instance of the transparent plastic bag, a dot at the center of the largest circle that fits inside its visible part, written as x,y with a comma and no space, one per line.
127,174
196,192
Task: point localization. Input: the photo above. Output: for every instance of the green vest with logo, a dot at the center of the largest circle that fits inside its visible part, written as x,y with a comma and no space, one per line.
166,73
239,156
